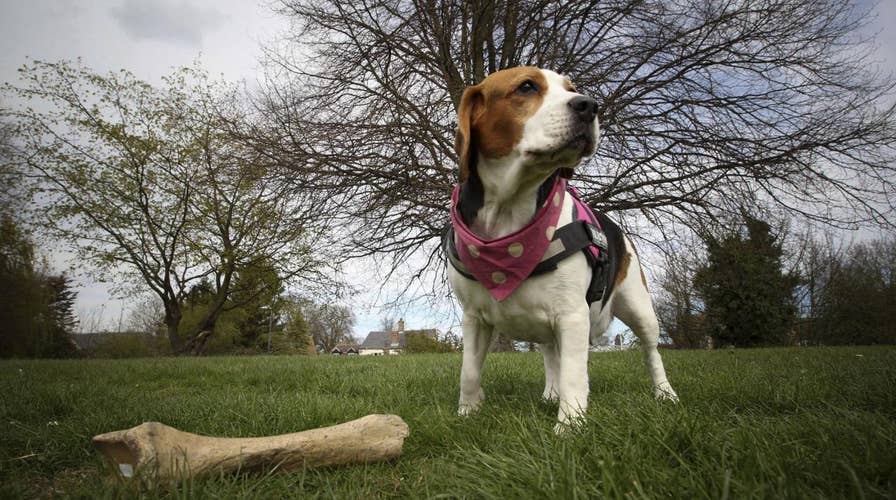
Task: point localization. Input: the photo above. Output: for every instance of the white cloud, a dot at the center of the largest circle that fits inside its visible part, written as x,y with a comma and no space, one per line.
176,22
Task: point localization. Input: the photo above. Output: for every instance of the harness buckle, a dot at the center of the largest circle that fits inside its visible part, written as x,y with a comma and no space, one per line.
597,236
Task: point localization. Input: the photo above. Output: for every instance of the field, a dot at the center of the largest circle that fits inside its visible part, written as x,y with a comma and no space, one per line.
781,423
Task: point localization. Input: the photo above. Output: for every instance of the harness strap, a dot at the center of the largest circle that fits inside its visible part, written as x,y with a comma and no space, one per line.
450,249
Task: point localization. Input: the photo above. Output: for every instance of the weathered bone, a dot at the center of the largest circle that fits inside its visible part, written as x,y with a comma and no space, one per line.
161,452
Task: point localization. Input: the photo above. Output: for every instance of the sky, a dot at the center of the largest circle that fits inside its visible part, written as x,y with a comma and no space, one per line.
150,37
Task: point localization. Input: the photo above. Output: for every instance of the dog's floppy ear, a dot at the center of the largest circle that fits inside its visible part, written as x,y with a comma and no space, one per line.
464,142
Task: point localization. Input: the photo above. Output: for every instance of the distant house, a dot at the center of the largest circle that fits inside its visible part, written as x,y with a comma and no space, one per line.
88,341
379,343
345,350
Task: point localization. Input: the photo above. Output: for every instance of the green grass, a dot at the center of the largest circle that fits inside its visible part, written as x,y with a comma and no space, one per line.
782,423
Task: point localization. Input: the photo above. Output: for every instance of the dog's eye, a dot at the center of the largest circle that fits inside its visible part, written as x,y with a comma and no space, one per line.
526,88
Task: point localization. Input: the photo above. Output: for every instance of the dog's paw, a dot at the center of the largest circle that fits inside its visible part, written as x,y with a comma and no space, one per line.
569,419
550,397
467,409
570,426
664,392
470,402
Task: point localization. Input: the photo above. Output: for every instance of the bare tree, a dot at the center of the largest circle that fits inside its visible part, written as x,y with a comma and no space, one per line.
147,316
387,323
847,291
706,106
678,306
328,324
817,258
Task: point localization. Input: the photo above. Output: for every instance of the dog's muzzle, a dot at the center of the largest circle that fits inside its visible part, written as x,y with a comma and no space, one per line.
584,112
584,108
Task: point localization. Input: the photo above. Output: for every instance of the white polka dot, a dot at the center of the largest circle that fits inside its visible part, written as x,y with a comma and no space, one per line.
515,249
498,277
473,250
557,199
549,232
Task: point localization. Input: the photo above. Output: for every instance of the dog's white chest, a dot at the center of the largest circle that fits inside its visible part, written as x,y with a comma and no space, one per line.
530,314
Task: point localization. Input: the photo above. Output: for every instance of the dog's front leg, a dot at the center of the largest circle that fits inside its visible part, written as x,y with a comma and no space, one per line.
551,367
477,340
572,341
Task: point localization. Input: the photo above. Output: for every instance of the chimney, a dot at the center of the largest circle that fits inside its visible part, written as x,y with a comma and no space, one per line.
401,326
394,338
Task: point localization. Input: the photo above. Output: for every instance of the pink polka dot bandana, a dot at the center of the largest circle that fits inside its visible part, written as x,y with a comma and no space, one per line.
501,265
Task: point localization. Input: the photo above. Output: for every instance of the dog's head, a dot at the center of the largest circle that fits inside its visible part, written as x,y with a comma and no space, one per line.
529,114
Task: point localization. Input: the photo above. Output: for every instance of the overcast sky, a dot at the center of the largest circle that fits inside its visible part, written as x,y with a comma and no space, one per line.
147,37
150,37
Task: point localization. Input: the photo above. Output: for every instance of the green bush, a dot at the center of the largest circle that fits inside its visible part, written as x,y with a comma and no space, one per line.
419,342
129,345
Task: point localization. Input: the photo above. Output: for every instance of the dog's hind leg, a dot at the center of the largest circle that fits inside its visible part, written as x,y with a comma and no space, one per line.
633,306
600,321
477,341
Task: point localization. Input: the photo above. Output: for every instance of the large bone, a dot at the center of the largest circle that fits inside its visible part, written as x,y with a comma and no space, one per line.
160,452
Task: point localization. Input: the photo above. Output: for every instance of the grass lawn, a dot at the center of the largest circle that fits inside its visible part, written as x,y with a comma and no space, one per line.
782,423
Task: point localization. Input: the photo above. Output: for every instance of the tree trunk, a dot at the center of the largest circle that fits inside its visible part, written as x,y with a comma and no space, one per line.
200,335
172,323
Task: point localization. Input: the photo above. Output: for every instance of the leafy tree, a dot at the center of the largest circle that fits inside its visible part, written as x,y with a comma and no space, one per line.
747,297
249,316
256,296
418,341
147,186
10,176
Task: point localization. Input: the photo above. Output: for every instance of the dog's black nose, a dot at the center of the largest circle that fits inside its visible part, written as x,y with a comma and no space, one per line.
584,107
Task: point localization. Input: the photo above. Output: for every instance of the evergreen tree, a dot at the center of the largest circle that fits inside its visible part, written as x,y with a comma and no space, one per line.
56,340
36,310
20,291
747,297
295,337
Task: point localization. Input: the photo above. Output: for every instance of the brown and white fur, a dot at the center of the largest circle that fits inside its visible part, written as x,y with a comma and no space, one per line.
515,130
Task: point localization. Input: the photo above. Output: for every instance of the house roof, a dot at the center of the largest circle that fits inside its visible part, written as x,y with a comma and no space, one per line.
380,339
345,347
88,340
383,340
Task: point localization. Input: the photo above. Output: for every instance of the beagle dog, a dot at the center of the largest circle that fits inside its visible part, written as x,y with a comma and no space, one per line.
520,134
